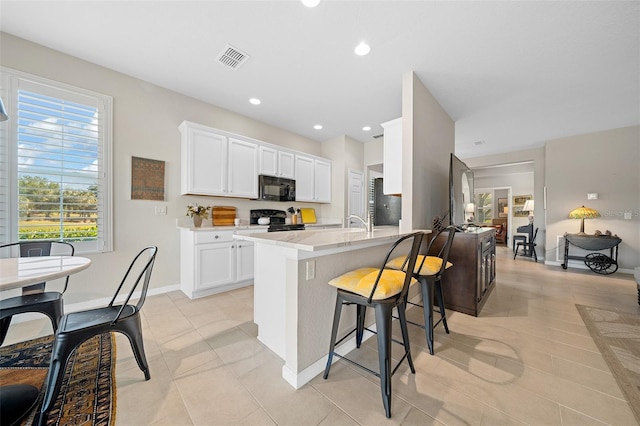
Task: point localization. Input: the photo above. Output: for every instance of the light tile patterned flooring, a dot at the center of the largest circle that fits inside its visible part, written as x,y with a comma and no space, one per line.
528,359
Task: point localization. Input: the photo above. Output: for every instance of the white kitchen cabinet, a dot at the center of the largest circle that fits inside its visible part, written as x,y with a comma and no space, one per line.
243,168
322,183
305,185
244,260
286,165
313,179
268,161
213,163
392,157
274,162
203,161
212,262
214,265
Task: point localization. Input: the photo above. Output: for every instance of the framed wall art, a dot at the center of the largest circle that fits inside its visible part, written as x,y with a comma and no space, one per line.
518,205
147,179
503,207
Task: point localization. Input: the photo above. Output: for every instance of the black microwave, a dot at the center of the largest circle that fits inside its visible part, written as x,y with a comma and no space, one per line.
271,188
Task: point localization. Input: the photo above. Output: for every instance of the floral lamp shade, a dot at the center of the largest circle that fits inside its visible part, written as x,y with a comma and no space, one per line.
583,213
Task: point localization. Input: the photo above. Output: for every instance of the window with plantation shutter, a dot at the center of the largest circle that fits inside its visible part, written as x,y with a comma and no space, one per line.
57,156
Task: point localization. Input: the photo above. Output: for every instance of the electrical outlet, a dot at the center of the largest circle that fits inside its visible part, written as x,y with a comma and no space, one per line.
161,210
627,215
311,269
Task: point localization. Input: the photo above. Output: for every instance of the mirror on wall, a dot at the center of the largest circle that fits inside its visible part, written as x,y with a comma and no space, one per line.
462,207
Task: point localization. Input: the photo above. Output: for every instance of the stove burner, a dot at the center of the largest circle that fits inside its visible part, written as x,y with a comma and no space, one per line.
289,227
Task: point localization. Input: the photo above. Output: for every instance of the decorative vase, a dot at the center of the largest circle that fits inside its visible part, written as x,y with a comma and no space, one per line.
197,221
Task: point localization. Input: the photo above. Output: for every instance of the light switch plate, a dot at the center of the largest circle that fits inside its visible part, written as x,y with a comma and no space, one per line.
627,215
311,269
592,196
161,210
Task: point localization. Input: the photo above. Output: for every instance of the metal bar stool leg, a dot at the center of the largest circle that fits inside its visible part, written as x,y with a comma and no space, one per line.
383,325
427,302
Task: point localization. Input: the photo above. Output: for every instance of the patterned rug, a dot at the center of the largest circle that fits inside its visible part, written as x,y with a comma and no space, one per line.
618,338
87,396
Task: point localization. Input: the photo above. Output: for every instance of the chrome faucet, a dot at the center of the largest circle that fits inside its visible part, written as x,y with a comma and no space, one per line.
368,224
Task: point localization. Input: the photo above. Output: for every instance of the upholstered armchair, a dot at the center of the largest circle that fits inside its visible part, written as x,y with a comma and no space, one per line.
501,230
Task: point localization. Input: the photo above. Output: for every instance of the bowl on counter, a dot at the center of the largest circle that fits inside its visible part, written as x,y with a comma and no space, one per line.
264,221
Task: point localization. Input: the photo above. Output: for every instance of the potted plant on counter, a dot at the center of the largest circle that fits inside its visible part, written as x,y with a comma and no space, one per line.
198,212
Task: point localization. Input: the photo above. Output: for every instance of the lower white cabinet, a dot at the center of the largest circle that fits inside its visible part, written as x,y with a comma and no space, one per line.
212,262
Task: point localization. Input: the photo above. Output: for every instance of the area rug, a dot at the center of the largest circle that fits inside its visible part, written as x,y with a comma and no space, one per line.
618,338
87,396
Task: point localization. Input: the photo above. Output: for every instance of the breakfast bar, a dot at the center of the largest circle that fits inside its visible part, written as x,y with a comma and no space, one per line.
293,304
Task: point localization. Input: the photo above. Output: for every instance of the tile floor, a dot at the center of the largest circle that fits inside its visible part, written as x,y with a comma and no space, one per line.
528,359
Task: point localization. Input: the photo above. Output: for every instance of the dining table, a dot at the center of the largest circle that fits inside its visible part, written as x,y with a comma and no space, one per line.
17,272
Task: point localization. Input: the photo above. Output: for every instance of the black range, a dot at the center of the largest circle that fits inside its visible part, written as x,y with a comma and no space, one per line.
276,220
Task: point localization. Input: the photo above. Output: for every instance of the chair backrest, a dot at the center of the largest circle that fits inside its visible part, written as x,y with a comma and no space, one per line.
415,240
142,266
443,253
533,239
37,249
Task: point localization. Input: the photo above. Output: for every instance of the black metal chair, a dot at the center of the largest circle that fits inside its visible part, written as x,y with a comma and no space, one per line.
428,271
77,327
529,248
34,298
381,289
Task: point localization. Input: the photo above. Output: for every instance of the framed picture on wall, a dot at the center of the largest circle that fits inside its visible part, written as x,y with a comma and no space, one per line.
518,205
503,207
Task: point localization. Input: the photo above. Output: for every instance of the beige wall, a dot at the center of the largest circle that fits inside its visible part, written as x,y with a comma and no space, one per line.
345,153
427,141
145,124
605,162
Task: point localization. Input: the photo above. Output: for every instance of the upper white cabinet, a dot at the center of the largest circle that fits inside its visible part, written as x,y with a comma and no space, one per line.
274,162
204,161
313,179
215,164
392,157
286,166
243,168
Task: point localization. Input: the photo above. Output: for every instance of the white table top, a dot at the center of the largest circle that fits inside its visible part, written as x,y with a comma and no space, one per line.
19,272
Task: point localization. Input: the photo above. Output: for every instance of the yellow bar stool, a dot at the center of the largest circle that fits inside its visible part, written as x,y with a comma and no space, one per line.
381,289
428,271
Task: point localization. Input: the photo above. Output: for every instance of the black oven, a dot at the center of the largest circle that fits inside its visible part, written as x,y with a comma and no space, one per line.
273,188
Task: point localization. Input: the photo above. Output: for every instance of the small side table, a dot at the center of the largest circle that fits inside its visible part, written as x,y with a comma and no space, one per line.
597,262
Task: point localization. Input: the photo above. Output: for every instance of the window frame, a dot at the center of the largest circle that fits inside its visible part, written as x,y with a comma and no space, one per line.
11,81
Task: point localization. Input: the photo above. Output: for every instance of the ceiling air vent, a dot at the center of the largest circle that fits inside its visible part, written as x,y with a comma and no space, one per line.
232,57
478,143
378,136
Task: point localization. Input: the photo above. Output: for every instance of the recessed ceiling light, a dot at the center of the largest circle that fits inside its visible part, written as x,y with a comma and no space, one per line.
310,3
366,128
362,49
318,127
255,101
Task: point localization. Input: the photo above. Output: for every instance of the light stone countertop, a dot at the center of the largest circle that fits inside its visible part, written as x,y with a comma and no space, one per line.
324,239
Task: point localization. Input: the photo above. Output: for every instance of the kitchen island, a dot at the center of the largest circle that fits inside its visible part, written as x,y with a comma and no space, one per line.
293,302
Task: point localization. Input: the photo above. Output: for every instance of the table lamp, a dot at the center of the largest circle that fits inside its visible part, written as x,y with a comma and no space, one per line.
583,213
471,209
528,206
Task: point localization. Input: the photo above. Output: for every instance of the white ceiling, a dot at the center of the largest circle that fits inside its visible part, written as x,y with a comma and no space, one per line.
510,73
